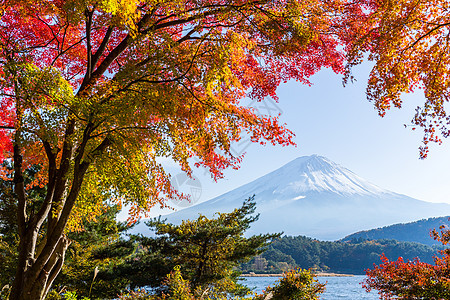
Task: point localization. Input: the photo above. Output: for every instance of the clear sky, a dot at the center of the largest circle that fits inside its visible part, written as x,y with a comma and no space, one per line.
339,123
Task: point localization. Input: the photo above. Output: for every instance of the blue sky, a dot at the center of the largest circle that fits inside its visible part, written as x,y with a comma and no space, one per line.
339,123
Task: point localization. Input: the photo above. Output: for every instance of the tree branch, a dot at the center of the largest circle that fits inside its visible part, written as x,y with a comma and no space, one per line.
88,14
19,189
58,229
102,47
101,69
61,178
45,207
425,35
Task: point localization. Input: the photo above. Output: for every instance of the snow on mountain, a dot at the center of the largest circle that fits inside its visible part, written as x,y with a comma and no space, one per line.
317,174
316,197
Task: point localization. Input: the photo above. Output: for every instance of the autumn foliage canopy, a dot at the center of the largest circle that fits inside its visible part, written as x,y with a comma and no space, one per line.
408,41
157,78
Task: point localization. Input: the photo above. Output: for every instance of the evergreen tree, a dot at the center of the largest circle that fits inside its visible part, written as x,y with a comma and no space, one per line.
206,249
92,253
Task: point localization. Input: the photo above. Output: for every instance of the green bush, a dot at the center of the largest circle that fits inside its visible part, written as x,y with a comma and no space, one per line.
296,284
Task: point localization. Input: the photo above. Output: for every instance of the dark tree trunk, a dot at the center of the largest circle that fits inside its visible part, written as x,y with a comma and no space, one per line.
41,261
26,288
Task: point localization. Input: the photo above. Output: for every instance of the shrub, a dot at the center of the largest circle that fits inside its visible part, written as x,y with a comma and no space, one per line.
296,284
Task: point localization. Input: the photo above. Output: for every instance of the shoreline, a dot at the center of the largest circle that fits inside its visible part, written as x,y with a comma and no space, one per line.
318,274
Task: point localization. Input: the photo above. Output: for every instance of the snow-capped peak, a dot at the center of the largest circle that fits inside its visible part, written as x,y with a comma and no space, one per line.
317,174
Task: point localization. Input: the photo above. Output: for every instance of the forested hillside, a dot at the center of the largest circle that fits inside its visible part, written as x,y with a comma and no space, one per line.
351,257
418,231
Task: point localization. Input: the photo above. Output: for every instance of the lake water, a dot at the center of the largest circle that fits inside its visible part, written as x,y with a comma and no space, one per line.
337,288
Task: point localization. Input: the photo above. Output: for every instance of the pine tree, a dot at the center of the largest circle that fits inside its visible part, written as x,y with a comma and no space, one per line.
208,250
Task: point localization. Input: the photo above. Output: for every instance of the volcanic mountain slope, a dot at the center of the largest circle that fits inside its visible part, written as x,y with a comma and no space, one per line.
315,197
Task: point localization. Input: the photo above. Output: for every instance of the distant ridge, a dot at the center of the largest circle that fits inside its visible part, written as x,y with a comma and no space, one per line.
418,231
313,196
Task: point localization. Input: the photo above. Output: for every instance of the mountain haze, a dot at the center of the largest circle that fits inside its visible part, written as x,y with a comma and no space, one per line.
315,197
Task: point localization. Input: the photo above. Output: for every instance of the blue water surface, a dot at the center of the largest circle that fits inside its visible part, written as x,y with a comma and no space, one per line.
337,288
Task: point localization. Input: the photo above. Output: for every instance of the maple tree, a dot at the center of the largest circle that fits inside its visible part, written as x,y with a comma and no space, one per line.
408,41
413,279
93,92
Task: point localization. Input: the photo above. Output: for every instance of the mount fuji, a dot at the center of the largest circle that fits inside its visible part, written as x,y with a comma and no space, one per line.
315,197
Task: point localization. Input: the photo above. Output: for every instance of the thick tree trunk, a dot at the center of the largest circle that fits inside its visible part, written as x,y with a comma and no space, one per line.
39,265
25,288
